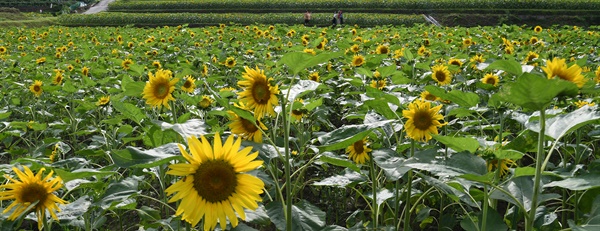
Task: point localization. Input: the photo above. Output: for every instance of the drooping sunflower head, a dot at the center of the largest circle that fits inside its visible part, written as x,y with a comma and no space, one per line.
103,100
426,95
441,75
355,48
582,103
156,64
379,84
491,79
189,85
126,63
358,151
310,51
31,188
230,62
246,128
298,113
314,76
358,60
40,60
159,87
85,71
455,62
258,94
503,165
558,68
215,184
36,88
206,101
382,49
531,56
422,120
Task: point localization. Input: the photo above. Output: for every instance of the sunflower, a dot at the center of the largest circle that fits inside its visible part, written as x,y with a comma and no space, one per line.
58,77
509,50
533,40
159,87
103,100
40,60
426,95
70,67
455,62
491,79
85,71
189,85
597,78
298,113
358,60
467,42
29,189
206,101
258,94
530,57
537,29
422,51
358,151
423,120
215,185
310,51
441,74
399,53
355,48
379,84
475,60
126,63
314,76
377,74
245,128
2,50
156,64
582,103
382,49
558,68
505,164
230,62
36,88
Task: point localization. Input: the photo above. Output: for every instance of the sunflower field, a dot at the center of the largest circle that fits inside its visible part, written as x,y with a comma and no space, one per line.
277,127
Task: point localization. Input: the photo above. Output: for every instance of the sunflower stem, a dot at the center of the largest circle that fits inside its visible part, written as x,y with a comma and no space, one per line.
408,189
288,181
374,185
538,172
485,207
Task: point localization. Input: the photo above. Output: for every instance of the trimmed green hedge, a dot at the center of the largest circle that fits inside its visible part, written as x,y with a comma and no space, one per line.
160,19
353,5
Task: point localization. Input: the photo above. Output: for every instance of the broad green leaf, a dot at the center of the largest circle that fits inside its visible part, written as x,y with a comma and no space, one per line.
593,221
465,99
130,111
494,222
510,66
300,88
298,61
155,137
81,173
558,126
131,87
347,135
383,194
193,127
544,217
449,191
72,213
340,162
524,171
533,92
133,157
577,183
387,71
313,104
348,178
305,216
458,144
120,194
456,165
377,94
391,163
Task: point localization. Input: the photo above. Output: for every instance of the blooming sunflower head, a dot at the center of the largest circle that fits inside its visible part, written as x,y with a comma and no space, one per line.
126,63
297,113
379,84
314,76
310,51
597,78
358,60
358,151
246,128
2,50
58,77
441,74
214,183
36,88
537,29
455,62
258,94
40,60
189,85
230,62
530,57
206,101
31,188
156,64
103,100
355,48
558,68
158,88
582,103
204,70
422,120
502,164
382,49
491,79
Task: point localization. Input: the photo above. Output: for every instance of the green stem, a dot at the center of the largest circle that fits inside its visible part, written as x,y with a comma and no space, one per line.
538,172
374,185
408,190
288,181
397,204
485,208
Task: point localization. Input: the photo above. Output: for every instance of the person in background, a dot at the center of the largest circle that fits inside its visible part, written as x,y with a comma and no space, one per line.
340,17
335,19
307,17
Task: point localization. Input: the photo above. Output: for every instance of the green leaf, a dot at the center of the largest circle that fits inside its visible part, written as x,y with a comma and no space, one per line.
456,194
193,127
383,194
130,111
391,163
305,216
313,104
120,194
72,213
81,173
341,181
558,126
510,66
339,162
299,89
458,144
347,135
577,183
533,92
464,99
458,164
136,158
494,222
387,71
131,87
298,61
593,221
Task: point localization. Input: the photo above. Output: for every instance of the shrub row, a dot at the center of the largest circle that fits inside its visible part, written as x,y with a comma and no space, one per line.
354,5
160,19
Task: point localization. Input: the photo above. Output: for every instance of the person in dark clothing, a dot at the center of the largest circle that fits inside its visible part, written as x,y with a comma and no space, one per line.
341,17
335,19
307,17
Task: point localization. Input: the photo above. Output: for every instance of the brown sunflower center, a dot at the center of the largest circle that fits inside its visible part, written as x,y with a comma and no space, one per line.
297,112
215,180
383,50
230,62
359,147
430,97
37,88
205,103
161,90
491,81
440,76
422,119
261,92
248,126
33,192
187,84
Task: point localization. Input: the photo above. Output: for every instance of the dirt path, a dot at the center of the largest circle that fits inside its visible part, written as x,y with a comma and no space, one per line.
101,6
